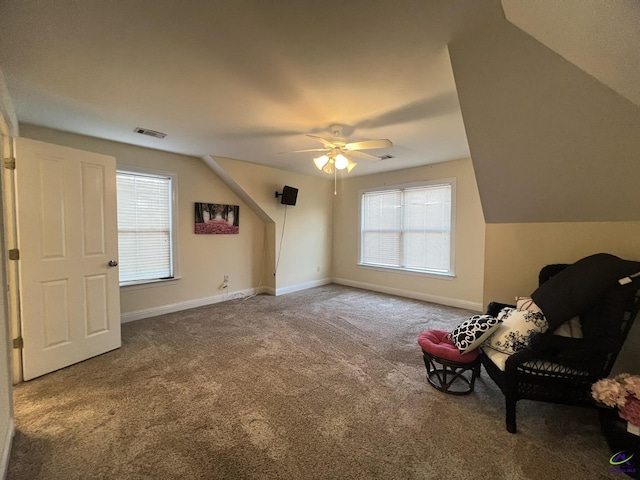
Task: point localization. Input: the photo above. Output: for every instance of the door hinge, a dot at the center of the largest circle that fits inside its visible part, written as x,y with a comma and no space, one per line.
9,163
18,342
14,254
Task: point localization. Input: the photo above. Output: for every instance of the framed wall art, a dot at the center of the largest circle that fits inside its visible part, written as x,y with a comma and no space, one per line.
217,218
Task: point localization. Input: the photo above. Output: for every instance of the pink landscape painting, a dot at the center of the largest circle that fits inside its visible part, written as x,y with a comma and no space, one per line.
217,218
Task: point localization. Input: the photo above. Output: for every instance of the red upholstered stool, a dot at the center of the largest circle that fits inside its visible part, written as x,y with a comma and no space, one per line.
447,369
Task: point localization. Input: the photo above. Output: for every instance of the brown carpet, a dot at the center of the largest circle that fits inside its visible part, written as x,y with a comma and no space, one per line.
327,383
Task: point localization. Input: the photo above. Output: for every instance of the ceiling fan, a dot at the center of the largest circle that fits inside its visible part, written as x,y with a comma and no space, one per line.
338,153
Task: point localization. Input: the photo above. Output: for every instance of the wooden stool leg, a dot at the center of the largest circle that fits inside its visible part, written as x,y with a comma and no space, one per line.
442,374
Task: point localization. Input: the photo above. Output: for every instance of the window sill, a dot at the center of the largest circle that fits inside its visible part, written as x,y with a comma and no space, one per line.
419,273
148,284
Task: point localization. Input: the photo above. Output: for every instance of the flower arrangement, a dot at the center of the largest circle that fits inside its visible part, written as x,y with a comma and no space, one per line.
621,392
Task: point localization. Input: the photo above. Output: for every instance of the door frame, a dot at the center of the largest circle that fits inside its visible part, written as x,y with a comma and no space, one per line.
12,272
8,131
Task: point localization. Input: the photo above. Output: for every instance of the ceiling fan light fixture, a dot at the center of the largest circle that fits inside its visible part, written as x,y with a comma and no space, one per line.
329,168
321,161
342,162
339,151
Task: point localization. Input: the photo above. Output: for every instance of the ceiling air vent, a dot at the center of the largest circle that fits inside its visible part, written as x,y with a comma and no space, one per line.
151,133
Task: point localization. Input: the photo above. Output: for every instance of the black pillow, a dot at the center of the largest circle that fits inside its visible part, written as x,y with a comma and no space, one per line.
580,285
603,321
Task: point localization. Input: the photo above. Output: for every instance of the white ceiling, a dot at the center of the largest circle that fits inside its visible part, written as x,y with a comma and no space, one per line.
600,37
245,79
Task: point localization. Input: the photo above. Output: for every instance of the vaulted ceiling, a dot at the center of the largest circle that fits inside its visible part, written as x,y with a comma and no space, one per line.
601,38
244,79
551,109
248,79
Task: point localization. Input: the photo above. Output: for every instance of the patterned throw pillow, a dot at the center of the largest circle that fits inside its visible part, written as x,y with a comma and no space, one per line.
514,333
505,312
527,303
471,333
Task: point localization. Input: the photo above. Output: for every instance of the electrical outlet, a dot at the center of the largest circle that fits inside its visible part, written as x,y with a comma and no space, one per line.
226,278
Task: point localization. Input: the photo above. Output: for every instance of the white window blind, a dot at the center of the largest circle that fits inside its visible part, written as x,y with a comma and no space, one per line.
382,227
144,227
408,228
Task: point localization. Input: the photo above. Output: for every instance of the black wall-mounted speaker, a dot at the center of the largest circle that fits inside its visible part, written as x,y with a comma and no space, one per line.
289,195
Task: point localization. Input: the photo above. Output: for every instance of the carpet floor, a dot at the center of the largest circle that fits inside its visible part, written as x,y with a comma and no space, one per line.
327,383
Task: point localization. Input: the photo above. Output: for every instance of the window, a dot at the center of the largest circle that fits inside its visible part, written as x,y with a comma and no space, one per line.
409,227
145,226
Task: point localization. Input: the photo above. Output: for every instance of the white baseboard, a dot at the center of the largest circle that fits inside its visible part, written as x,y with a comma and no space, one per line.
6,449
303,286
177,307
267,290
451,302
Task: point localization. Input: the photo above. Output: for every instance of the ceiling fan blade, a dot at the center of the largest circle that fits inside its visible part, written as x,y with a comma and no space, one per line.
308,150
326,143
362,155
369,144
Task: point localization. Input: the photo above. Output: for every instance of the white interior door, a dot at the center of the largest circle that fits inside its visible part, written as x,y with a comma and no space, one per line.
67,235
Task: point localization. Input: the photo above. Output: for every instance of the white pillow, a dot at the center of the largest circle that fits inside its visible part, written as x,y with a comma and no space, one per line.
572,328
514,333
527,303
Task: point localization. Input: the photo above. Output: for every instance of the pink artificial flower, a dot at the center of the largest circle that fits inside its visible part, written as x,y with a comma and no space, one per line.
610,392
630,411
632,385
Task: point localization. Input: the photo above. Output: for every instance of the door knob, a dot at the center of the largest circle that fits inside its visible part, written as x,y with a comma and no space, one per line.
113,263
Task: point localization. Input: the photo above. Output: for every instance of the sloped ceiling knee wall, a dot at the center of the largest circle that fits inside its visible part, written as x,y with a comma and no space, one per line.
549,142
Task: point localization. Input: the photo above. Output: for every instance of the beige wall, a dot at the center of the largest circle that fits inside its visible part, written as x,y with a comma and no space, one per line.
465,290
203,259
305,256
515,253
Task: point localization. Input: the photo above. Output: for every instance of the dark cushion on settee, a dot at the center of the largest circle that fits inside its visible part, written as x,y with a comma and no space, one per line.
580,285
601,323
